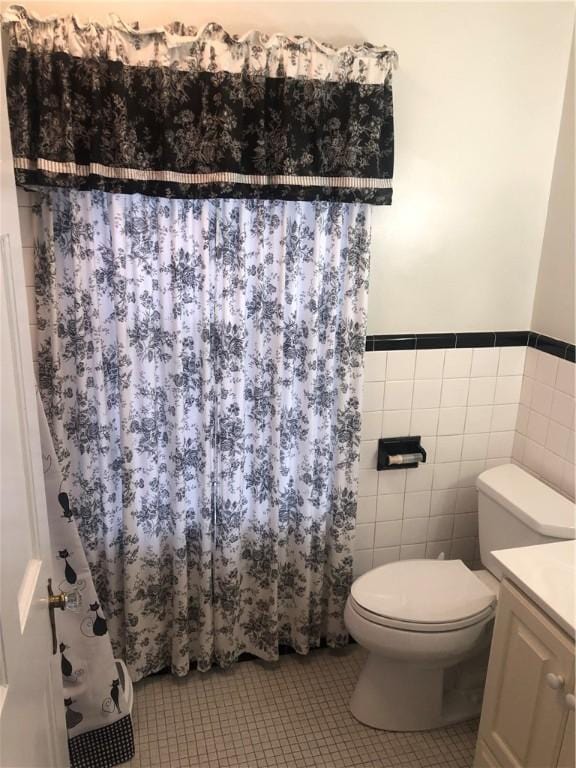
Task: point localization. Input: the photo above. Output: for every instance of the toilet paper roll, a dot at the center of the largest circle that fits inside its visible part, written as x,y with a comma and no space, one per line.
405,458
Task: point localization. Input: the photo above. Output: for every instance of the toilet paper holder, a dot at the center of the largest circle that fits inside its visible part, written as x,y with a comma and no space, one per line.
400,452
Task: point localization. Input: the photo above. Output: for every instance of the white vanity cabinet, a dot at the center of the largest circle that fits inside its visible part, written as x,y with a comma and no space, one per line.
528,712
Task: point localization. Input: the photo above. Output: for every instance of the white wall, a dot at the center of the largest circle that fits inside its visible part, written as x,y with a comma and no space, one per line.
478,98
554,300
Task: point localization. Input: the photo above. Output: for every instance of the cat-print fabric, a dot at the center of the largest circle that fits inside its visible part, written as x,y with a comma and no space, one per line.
200,363
95,689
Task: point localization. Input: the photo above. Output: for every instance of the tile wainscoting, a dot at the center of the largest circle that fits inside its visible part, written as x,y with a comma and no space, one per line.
544,440
25,202
464,403
475,408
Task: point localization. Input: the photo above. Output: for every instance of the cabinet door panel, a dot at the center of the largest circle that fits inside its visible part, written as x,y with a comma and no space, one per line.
567,757
523,718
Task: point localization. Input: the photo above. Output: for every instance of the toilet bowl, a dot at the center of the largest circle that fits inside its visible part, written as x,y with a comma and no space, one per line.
418,618
427,624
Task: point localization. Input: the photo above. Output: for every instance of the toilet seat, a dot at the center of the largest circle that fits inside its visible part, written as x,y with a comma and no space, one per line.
414,626
423,596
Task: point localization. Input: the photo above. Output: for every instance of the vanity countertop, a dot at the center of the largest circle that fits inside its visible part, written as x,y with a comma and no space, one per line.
547,574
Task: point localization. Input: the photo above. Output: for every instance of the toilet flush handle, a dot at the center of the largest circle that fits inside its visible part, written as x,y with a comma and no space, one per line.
554,681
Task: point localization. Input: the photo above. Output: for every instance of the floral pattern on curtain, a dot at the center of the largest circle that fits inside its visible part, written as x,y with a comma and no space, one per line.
200,365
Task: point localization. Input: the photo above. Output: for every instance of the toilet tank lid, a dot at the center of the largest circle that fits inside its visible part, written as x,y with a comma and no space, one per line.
546,511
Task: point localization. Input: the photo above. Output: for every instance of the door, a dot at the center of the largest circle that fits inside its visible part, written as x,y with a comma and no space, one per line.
530,670
32,727
483,757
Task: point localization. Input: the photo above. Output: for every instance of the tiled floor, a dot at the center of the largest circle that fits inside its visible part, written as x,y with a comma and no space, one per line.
292,714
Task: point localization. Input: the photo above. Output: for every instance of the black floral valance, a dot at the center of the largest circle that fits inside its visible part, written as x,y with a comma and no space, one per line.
178,112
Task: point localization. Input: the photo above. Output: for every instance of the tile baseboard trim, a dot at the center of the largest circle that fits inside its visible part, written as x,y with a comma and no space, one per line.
417,341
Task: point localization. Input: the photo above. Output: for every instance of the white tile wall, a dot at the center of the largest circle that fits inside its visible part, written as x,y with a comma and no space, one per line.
25,202
543,442
464,403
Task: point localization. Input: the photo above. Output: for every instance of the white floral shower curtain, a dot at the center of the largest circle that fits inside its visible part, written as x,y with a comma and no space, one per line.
200,366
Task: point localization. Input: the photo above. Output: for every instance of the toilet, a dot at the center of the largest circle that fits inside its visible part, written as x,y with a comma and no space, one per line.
427,624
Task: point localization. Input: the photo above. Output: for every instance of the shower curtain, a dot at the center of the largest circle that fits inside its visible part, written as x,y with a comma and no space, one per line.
201,282
200,365
97,694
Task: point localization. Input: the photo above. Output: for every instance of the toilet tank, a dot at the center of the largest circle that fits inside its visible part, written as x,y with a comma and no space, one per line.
517,510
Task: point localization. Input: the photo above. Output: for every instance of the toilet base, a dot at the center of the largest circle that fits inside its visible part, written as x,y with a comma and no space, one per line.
393,696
